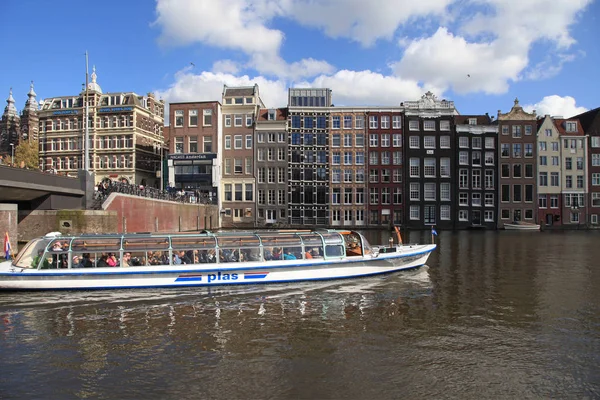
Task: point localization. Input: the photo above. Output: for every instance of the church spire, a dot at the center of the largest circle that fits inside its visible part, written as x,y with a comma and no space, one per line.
10,110
31,105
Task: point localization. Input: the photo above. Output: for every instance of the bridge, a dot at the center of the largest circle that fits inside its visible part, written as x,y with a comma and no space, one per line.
37,190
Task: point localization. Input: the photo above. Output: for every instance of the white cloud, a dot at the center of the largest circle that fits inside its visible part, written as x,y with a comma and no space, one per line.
445,60
232,24
484,47
225,67
361,21
277,66
208,86
349,88
529,20
502,34
549,67
367,88
556,106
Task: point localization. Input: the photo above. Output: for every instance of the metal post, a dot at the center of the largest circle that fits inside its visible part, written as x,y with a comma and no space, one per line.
12,150
86,140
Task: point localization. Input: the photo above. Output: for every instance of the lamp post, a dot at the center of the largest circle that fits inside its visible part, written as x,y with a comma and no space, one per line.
12,152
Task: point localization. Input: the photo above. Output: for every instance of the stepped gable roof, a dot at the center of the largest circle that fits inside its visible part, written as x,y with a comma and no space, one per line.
517,113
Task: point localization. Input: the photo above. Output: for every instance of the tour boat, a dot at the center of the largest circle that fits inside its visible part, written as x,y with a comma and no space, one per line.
137,260
522,226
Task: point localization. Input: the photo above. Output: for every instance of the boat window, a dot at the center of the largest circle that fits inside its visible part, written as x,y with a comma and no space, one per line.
58,255
281,240
292,253
239,241
227,255
333,238
92,245
187,243
148,243
32,254
311,240
334,250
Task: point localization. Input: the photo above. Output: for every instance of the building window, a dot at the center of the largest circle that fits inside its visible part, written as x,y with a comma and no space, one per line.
428,125
207,144
347,121
228,192
237,142
248,141
193,144
463,215
385,122
429,142
414,213
359,122
178,118
445,212
207,117
415,191
414,142
193,117
237,166
413,125
415,167
429,192
429,168
373,122
249,120
179,145
444,125
396,121
237,120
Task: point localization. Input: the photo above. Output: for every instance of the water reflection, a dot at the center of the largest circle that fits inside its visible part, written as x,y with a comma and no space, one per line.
494,315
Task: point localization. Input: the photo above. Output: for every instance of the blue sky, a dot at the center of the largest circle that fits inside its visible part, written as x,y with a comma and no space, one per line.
479,53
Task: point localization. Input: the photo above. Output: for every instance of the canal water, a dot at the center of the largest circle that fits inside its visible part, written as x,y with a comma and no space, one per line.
494,315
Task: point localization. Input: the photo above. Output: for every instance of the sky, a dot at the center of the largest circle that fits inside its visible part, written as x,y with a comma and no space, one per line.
480,53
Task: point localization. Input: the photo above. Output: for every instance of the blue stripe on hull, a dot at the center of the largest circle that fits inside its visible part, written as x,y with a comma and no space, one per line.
189,279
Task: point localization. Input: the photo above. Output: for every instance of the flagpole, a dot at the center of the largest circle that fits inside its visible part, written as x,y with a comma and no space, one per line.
86,144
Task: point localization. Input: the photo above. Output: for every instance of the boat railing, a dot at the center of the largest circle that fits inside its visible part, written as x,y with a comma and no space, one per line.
155,249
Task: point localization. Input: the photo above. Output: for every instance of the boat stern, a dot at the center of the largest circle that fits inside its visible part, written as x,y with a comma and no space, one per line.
5,266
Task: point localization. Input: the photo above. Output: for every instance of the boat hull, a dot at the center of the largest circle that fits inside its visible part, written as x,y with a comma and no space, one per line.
523,227
12,278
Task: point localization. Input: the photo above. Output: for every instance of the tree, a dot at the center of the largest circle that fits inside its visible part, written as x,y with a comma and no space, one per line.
28,153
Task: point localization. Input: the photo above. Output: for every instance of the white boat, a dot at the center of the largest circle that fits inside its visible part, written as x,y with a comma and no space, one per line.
522,226
204,259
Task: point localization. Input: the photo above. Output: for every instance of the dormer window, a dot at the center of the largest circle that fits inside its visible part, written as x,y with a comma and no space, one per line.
271,115
228,101
472,121
239,100
571,126
249,100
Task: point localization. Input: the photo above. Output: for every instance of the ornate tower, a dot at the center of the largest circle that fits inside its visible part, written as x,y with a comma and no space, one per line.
10,126
29,117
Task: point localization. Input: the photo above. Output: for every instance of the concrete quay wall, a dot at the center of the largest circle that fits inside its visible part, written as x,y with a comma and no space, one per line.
121,213
139,214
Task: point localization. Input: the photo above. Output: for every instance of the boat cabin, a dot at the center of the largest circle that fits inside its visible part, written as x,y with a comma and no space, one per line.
55,251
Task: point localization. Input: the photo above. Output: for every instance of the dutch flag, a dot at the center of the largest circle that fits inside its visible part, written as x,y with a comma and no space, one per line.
6,246
433,231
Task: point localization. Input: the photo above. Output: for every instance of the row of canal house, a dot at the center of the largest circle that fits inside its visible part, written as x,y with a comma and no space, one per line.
419,164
